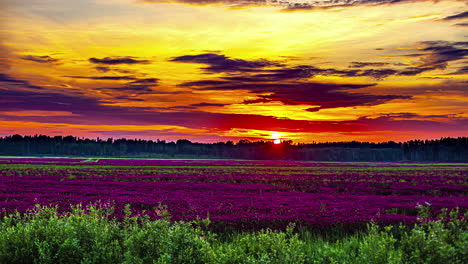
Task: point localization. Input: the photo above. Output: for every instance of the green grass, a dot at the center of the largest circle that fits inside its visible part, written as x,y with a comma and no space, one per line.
88,235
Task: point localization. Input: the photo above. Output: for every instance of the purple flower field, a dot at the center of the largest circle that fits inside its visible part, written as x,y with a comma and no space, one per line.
239,194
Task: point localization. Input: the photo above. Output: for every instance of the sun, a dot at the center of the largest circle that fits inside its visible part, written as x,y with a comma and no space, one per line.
276,137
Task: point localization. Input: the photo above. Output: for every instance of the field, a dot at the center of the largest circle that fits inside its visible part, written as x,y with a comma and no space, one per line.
239,195
233,212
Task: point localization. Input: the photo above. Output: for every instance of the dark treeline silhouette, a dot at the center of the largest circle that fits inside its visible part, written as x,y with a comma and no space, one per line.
443,150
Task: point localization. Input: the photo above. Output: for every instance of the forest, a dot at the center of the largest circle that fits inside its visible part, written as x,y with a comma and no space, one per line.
440,150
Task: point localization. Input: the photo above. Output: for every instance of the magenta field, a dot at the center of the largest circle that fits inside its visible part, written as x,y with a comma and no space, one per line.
239,194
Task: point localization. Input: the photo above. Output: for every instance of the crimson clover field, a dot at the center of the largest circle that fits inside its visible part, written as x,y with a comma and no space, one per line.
241,195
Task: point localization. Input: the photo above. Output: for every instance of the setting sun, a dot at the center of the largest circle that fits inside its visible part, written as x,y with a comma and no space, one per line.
277,141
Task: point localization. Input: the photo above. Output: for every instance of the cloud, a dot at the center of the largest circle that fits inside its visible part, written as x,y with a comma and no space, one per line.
356,64
102,69
203,83
457,16
267,71
291,5
462,70
208,2
320,95
461,25
377,74
397,123
284,73
117,60
287,85
397,116
145,81
106,69
16,82
129,89
221,63
206,104
139,86
89,111
109,78
16,100
432,55
436,55
40,59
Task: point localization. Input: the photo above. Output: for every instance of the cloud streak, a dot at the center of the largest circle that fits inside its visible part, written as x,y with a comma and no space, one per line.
436,55
287,5
40,59
286,85
221,63
105,78
457,16
6,79
117,60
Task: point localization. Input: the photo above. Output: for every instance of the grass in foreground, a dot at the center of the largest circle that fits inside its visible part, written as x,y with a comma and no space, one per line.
87,235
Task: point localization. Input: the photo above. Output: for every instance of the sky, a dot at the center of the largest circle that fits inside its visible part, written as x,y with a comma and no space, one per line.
218,70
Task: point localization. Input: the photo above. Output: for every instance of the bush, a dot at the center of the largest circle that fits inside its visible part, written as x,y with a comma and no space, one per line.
88,235
44,236
442,241
265,246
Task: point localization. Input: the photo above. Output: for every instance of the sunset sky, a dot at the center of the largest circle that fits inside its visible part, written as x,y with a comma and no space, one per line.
218,70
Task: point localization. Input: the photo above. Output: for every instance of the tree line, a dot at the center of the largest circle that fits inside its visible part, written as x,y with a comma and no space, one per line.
442,150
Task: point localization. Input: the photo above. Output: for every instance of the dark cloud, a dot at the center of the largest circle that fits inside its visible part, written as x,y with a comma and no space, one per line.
461,25
206,104
102,69
137,86
117,60
110,78
356,64
457,16
287,85
436,55
207,2
93,111
310,5
432,56
439,88
221,63
145,81
396,116
320,95
17,82
18,100
306,71
203,83
462,70
396,123
40,59
412,71
257,71
140,89
287,5
297,72
109,69
129,98
377,74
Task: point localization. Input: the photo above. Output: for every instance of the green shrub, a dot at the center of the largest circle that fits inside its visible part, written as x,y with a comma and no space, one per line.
88,235
265,246
164,242
44,236
442,241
